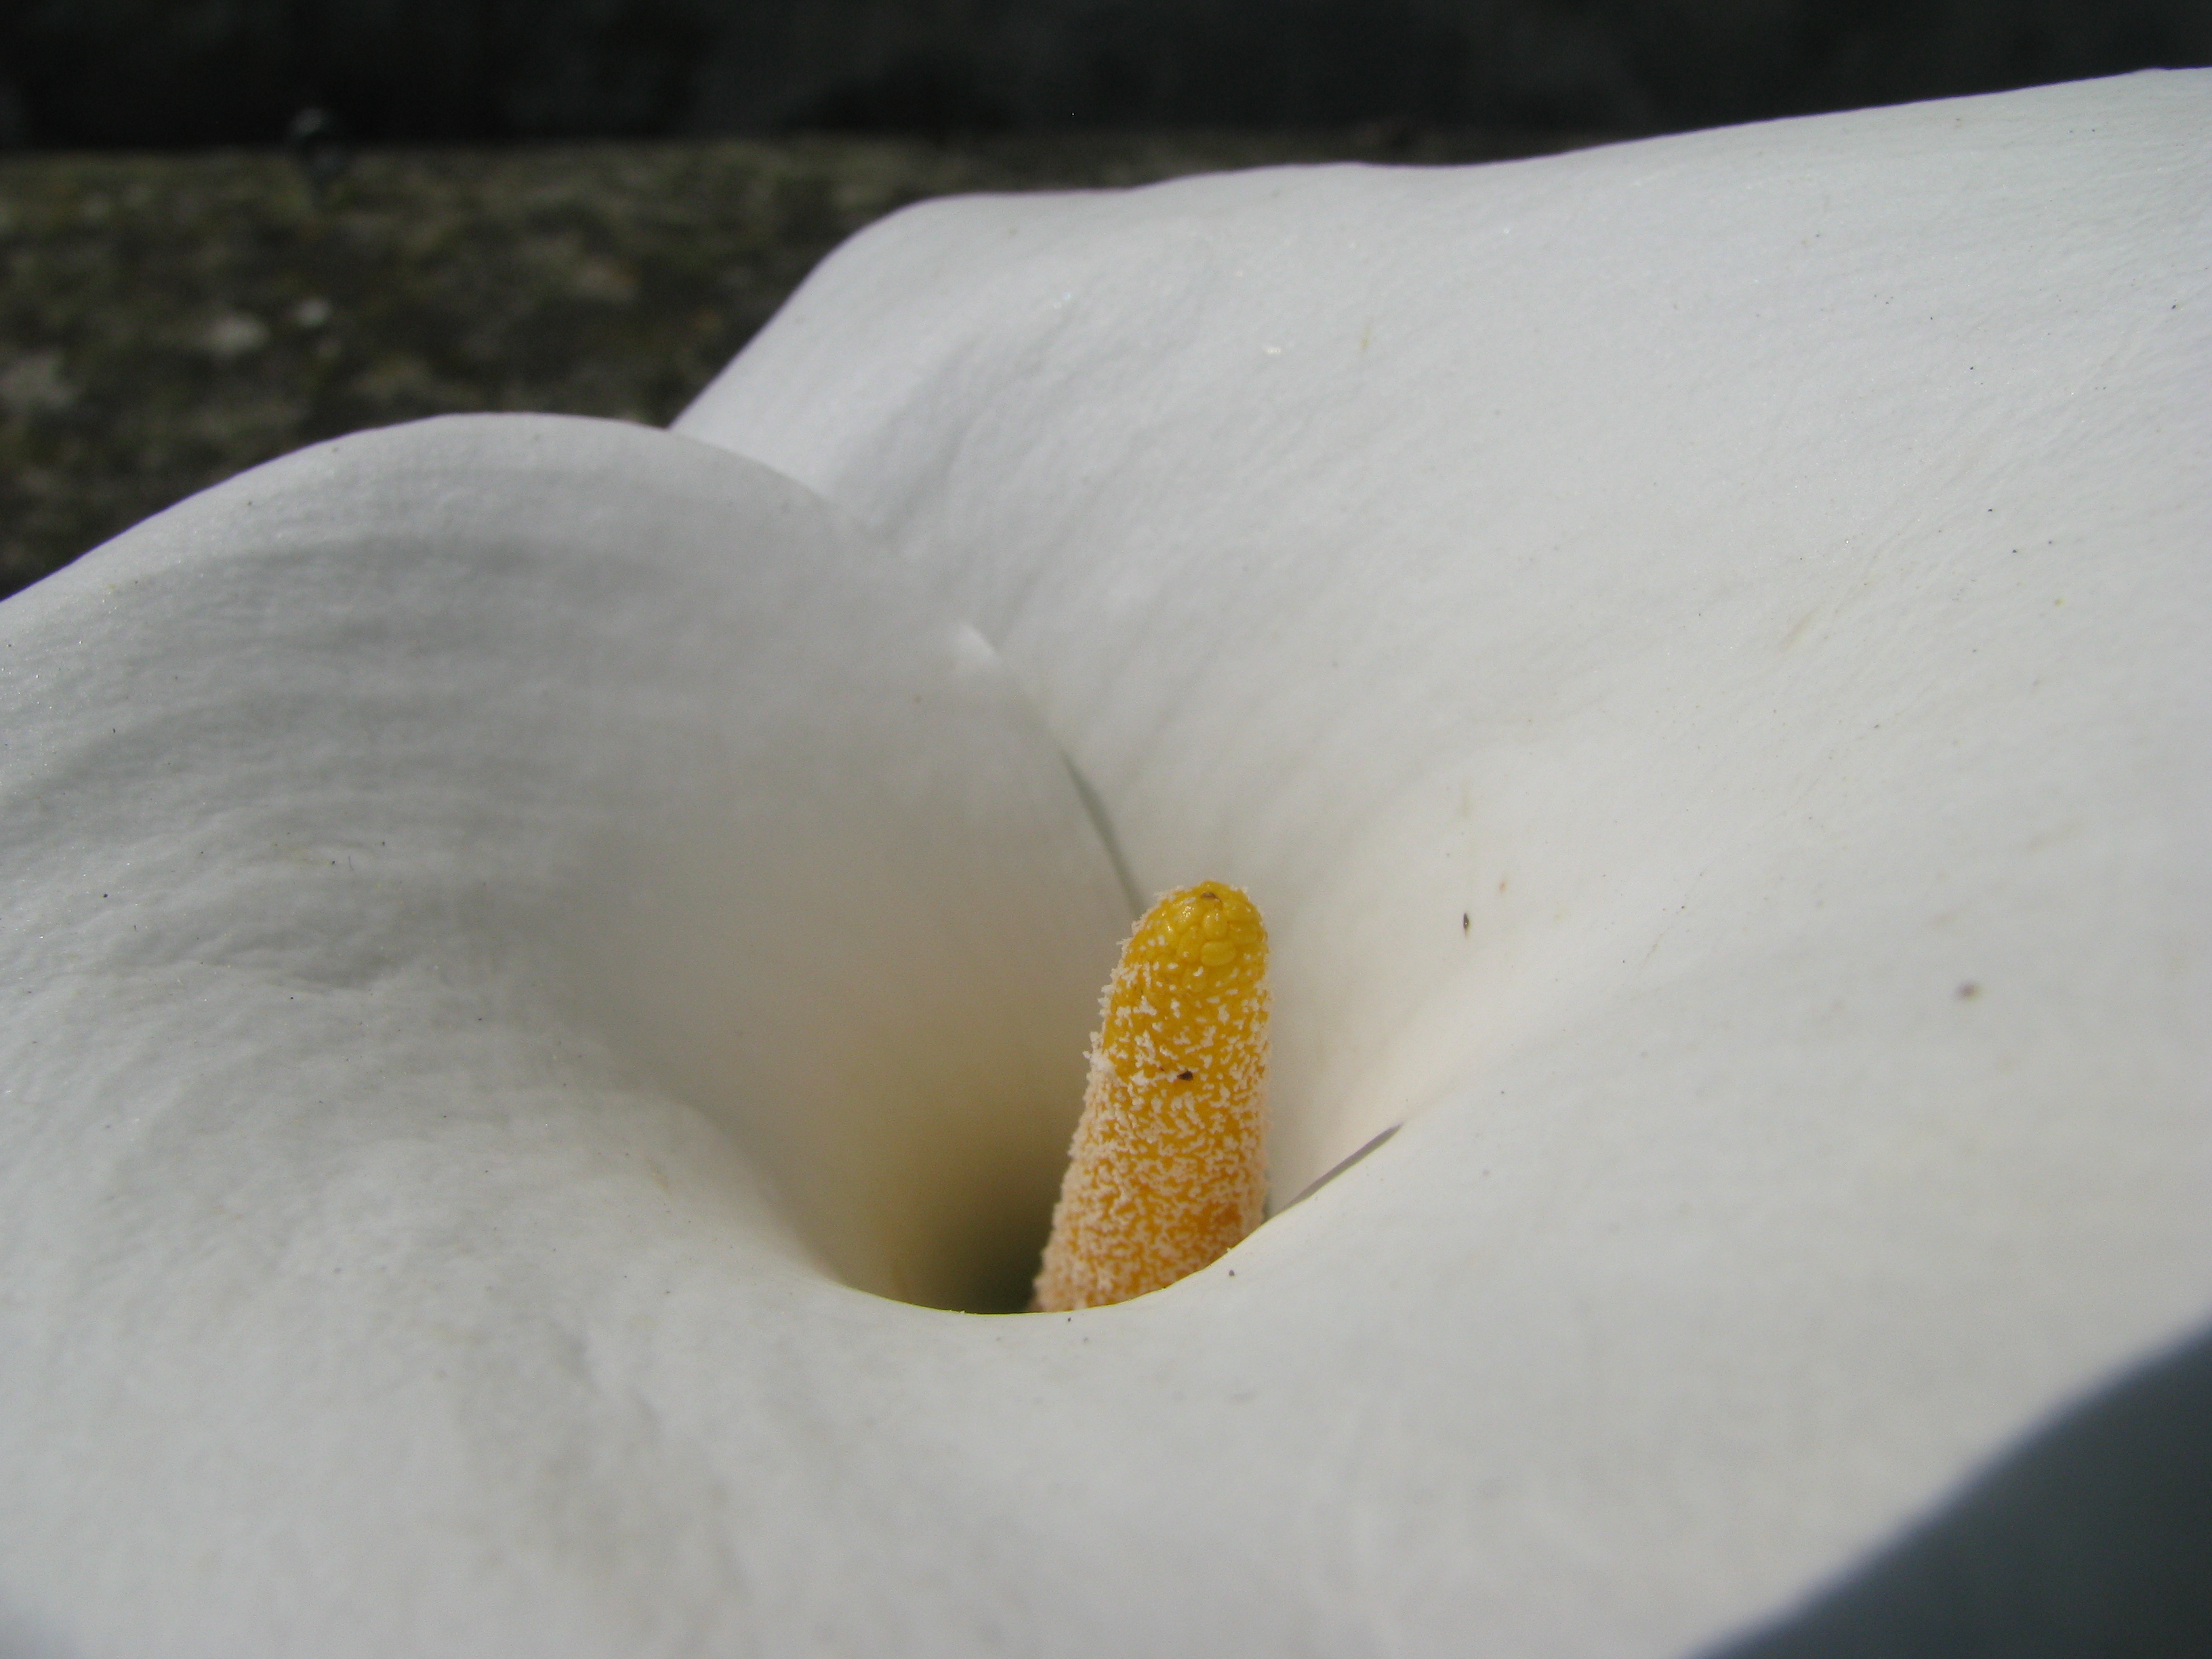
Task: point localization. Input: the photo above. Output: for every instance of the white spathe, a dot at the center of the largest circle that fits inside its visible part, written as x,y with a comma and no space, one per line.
1696,646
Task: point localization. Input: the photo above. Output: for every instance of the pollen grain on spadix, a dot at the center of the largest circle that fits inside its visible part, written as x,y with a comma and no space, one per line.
1168,1166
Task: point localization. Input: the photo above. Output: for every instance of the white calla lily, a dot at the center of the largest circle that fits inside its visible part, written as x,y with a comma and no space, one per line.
530,941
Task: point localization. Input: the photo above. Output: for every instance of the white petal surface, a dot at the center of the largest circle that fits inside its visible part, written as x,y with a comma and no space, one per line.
1638,554
1698,647
457,877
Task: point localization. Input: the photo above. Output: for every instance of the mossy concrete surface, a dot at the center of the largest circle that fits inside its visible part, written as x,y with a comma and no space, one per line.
167,320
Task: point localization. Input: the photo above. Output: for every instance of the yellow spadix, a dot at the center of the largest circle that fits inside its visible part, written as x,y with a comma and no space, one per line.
1168,1166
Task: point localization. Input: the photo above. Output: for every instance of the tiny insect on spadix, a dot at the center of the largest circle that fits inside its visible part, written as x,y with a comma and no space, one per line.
1168,1166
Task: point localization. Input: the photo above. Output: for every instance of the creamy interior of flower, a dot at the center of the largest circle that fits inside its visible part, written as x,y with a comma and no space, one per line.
873,953
862,926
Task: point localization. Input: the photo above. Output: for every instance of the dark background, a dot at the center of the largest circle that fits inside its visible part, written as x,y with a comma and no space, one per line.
168,73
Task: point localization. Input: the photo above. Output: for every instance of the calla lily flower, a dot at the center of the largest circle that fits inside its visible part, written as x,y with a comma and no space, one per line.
547,963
